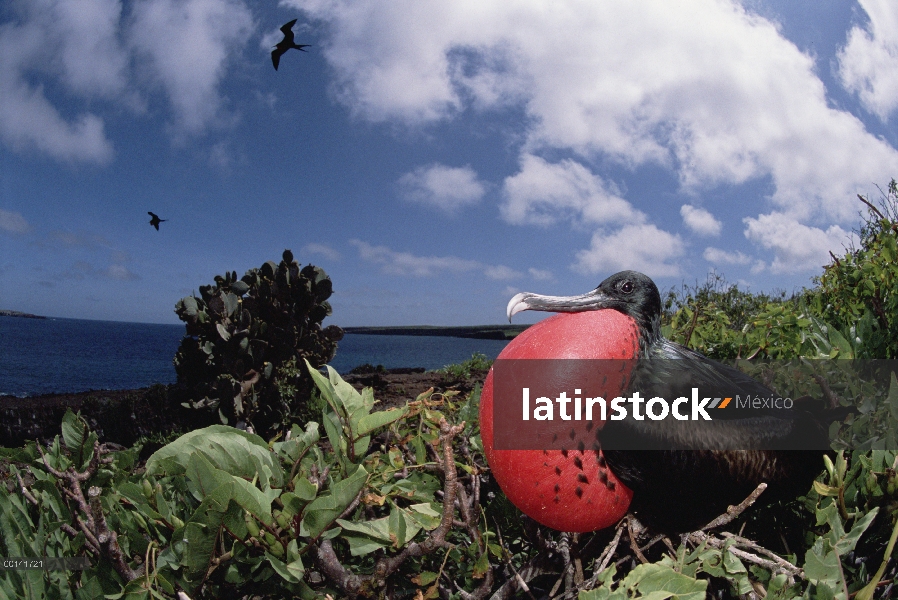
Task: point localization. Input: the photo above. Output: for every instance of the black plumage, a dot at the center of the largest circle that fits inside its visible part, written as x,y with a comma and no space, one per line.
286,44
155,220
693,470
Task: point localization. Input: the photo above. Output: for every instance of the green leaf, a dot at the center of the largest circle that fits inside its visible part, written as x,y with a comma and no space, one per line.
657,582
215,488
292,572
481,566
78,438
237,452
820,569
324,510
379,419
378,529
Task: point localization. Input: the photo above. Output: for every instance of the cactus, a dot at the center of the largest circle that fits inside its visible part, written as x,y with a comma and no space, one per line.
243,338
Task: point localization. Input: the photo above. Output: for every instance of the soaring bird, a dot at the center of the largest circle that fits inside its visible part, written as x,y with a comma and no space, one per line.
684,474
156,220
285,44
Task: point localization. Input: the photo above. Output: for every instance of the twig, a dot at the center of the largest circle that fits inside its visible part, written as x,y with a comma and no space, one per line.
25,491
633,545
352,584
759,549
605,557
734,511
100,539
831,397
775,564
530,570
873,208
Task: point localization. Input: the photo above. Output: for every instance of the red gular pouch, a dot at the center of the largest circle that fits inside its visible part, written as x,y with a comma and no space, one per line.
551,467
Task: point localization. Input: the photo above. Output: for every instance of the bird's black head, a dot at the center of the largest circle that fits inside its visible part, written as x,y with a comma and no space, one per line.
629,292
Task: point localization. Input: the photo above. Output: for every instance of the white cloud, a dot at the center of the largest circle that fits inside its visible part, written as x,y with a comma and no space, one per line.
540,274
868,64
82,50
705,89
407,264
502,273
13,222
75,42
797,247
320,249
120,273
718,257
700,221
446,188
186,45
642,248
543,193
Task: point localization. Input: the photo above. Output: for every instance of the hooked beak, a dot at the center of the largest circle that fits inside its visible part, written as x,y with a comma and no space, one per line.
593,300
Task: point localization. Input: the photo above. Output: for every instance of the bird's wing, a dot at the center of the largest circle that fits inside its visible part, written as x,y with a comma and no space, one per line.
287,28
152,215
276,58
689,367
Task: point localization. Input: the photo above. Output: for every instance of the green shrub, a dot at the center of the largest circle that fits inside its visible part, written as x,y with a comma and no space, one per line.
859,291
477,364
246,340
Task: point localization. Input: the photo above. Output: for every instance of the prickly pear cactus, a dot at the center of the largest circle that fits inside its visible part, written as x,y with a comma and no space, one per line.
246,339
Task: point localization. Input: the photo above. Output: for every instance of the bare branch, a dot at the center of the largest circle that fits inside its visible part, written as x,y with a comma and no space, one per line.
734,511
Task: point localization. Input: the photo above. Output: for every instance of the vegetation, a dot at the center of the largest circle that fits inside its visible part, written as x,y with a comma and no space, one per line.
477,364
851,313
246,339
397,503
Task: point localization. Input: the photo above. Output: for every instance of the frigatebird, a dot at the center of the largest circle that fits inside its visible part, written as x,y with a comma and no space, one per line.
677,486
156,220
285,44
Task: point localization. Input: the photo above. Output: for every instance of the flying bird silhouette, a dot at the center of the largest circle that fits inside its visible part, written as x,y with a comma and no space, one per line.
155,220
285,44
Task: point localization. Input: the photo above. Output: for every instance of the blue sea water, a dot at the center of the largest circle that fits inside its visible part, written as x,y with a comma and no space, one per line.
51,356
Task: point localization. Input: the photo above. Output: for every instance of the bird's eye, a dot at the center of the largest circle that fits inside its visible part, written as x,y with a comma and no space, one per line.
626,287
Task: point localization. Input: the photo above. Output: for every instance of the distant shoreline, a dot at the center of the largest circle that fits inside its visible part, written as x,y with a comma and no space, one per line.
15,313
482,332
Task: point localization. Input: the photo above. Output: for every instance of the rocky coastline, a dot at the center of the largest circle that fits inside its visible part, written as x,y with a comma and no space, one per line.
124,416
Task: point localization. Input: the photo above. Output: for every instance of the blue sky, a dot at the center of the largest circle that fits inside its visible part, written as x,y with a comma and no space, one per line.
435,158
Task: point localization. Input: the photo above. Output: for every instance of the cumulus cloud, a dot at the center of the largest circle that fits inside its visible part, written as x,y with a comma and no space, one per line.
718,97
120,273
13,222
543,193
868,63
321,250
393,262
642,248
540,274
443,187
82,50
187,45
797,247
71,41
502,273
700,221
718,257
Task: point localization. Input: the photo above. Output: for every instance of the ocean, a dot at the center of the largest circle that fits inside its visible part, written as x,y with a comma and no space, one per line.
56,356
